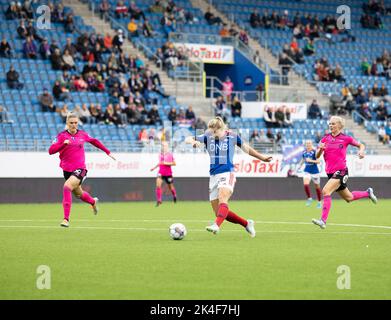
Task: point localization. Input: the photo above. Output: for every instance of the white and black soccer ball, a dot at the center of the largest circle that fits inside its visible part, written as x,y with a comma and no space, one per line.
177,231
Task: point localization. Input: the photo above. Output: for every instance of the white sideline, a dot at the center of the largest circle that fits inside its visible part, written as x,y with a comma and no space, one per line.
198,230
200,221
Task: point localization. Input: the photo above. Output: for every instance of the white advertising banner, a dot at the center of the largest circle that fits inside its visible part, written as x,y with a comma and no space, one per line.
42,165
208,53
256,109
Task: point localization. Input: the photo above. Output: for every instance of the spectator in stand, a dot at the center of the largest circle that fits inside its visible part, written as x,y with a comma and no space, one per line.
338,73
255,137
56,60
211,18
255,19
260,91
32,32
61,92
383,90
12,12
172,116
190,115
285,63
221,109
99,114
376,90
29,48
46,101
228,88
268,117
280,117
361,98
44,49
118,40
288,122
148,29
381,112
243,37
314,110
69,24
85,114
108,43
318,137
365,67
270,135
200,124
236,108
294,45
143,136
309,48
13,79
169,23
22,30
104,9
68,62
121,11
154,116
64,111
133,28
224,31
5,49
135,12
383,136
365,112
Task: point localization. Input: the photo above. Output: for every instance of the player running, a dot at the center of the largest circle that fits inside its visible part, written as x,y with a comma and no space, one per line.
70,145
311,172
334,146
220,144
166,161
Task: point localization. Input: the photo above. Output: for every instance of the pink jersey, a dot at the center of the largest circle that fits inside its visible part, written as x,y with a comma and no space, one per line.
335,151
163,169
72,155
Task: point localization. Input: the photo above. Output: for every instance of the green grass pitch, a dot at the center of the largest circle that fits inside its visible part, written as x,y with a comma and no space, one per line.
125,252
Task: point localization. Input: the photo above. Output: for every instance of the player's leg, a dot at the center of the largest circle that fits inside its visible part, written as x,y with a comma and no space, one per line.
159,182
221,212
331,185
86,197
307,190
70,184
172,189
356,195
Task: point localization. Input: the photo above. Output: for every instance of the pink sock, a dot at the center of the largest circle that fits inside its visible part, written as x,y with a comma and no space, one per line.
326,207
159,194
67,202
87,198
173,191
307,190
360,194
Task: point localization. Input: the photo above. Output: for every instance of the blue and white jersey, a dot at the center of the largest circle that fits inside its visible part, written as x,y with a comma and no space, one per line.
221,151
311,168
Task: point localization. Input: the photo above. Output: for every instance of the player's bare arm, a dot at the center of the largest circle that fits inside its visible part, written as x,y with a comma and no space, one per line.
320,150
252,152
193,142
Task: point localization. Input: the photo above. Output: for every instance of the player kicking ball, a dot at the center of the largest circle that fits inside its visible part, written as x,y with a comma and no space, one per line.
333,146
220,144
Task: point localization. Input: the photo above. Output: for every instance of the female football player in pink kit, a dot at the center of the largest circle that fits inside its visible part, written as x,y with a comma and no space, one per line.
166,161
333,146
70,145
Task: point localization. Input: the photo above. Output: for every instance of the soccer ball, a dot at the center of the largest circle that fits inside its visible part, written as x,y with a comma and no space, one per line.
177,231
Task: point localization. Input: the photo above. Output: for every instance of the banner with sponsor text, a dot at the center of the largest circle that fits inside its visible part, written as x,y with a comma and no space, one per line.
42,165
208,53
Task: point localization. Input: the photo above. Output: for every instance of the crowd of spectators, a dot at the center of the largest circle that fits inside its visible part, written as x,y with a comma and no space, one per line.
280,117
380,67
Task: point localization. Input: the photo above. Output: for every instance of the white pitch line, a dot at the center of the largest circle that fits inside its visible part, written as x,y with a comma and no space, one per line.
203,221
200,230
